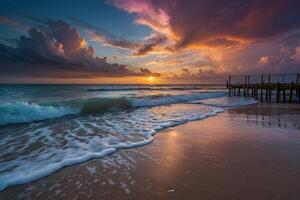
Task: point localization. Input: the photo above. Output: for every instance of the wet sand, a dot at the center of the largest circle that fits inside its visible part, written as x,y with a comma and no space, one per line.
243,153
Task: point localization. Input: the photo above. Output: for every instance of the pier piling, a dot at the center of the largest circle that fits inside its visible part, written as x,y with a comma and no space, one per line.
286,87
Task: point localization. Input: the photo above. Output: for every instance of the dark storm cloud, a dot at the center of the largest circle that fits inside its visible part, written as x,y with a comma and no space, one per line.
55,49
201,21
245,36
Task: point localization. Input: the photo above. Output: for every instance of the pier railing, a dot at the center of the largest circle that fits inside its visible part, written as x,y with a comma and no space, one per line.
265,78
264,85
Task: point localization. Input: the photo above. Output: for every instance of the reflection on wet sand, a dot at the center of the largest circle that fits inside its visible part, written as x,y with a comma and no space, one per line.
269,115
245,153
269,121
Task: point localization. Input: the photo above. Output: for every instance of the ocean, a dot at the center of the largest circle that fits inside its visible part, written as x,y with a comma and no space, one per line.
44,128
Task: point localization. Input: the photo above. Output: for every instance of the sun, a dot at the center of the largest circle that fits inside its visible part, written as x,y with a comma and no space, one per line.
151,79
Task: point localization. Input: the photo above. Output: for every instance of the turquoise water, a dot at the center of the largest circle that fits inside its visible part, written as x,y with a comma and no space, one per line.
27,103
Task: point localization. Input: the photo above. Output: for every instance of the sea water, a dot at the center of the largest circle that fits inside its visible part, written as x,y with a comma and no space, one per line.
46,127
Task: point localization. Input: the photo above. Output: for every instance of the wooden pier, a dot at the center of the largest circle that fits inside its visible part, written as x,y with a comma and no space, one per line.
266,87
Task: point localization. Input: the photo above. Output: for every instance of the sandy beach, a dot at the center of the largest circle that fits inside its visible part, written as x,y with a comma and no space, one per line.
149,100
250,152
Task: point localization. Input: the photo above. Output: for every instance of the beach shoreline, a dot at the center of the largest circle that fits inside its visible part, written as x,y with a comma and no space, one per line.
248,152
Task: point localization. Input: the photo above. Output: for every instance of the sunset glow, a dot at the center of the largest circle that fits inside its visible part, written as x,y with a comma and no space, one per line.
150,79
137,39
84,85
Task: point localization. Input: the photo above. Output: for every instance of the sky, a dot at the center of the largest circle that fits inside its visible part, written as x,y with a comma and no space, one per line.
128,41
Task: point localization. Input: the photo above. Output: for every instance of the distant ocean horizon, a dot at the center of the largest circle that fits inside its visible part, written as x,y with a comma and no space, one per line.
44,127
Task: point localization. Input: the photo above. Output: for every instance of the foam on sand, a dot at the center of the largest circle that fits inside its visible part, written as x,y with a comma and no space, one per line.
35,150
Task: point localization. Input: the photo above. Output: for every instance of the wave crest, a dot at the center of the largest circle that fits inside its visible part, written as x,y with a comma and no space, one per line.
20,112
27,112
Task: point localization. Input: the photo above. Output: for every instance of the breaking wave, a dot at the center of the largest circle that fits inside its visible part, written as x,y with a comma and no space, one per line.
20,112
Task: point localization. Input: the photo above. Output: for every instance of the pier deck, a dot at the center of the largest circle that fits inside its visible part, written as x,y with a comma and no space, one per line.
266,87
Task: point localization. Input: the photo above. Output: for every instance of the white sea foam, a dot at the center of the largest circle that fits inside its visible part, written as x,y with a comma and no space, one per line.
19,112
36,150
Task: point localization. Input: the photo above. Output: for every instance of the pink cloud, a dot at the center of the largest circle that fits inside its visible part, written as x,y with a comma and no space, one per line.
264,60
296,56
210,22
244,36
148,13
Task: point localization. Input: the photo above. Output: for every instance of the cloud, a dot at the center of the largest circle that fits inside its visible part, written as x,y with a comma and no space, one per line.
150,13
151,43
147,72
154,43
104,37
55,49
244,36
116,43
186,71
210,22
221,42
14,23
200,75
296,55
264,60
